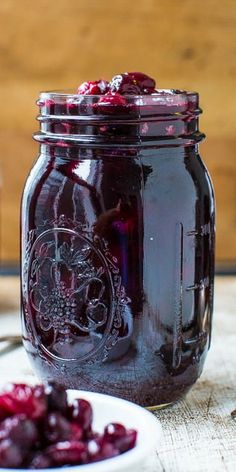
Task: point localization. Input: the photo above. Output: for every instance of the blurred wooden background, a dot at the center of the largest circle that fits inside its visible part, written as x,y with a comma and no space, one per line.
57,44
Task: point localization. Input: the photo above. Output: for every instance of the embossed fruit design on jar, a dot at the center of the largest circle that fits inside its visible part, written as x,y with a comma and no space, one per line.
118,241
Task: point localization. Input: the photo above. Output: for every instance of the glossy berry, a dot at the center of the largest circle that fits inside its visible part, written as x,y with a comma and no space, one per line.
68,452
100,450
24,399
96,87
56,428
124,84
114,99
134,83
111,103
10,454
81,412
20,430
56,397
145,83
123,439
126,442
114,431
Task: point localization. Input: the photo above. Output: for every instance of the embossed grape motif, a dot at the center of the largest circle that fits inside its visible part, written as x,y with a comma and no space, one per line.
74,294
55,303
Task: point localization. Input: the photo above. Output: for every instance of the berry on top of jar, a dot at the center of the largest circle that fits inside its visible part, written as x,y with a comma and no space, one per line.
128,83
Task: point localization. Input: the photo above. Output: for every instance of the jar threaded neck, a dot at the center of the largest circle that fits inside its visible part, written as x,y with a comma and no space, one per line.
160,119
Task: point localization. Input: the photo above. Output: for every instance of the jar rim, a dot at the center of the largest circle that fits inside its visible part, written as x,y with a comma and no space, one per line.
159,91
160,97
71,118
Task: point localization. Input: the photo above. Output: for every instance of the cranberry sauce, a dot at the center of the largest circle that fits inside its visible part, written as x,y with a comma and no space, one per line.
118,243
40,428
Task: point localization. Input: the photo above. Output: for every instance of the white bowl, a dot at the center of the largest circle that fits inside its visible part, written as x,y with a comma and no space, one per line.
109,409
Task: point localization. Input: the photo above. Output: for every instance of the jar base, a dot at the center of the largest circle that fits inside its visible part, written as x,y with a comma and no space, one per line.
152,397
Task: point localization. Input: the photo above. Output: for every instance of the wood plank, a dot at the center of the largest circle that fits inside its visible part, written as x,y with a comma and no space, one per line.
58,46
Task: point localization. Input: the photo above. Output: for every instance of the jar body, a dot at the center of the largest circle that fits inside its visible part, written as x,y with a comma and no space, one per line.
117,270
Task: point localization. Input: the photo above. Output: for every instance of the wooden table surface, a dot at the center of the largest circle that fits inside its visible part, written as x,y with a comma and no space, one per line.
199,433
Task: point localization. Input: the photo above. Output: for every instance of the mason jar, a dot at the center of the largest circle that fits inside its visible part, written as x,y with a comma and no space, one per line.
118,246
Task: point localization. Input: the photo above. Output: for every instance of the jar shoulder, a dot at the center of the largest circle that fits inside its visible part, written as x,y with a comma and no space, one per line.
177,173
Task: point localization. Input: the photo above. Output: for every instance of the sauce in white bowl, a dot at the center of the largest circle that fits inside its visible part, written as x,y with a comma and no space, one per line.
108,409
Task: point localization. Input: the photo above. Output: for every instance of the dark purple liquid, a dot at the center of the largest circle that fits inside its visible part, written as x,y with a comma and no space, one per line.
118,265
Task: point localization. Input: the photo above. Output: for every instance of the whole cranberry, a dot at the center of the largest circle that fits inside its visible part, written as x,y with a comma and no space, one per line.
24,399
114,431
99,450
56,397
146,83
10,454
68,453
111,103
123,439
124,84
20,430
114,99
126,442
96,87
81,412
56,428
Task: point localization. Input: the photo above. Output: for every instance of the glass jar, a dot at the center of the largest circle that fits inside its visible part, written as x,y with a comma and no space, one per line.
118,246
